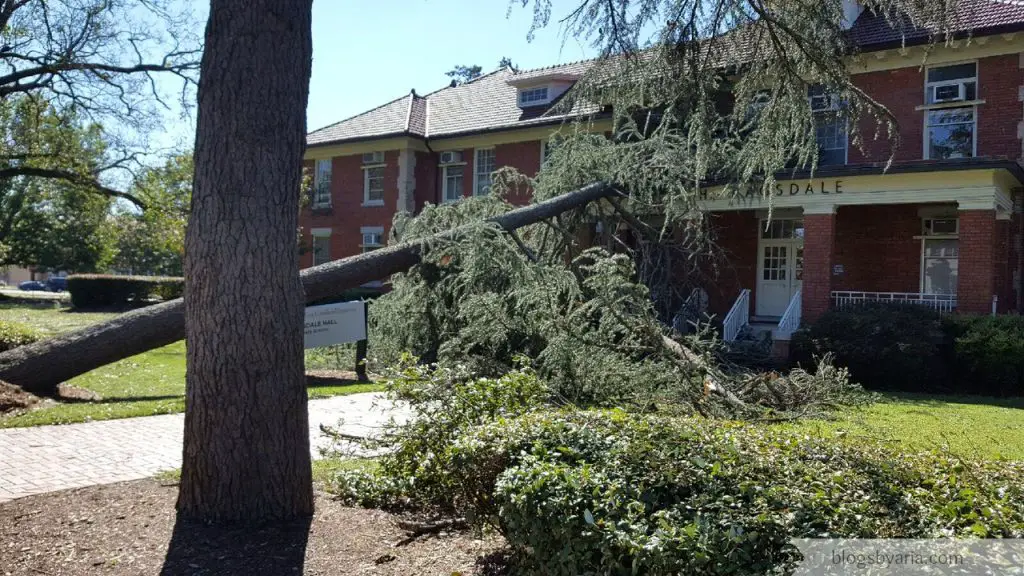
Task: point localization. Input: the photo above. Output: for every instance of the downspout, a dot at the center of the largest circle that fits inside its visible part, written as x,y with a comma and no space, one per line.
437,176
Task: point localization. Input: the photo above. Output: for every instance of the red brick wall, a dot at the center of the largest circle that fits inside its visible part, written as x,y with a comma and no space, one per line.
523,156
902,90
427,180
999,79
736,234
877,249
819,255
347,213
976,275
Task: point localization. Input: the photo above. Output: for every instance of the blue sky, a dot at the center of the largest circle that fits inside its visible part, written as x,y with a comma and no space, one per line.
368,53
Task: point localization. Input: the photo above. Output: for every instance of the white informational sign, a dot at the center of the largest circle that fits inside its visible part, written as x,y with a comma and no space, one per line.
335,324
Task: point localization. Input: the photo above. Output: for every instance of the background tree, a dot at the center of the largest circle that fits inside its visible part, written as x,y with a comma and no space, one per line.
152,241
96,60
246,445
461,74
506,62
52,223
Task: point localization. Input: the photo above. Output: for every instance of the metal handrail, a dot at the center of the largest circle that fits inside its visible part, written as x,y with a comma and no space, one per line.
737,318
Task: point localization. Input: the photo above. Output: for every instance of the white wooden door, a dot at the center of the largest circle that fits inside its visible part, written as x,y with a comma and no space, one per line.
774,278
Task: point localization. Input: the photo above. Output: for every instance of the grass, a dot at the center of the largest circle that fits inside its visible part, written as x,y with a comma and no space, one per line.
965,426
143,385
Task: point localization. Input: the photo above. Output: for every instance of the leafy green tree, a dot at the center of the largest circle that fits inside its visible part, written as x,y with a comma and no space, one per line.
153,241
461,74
53,223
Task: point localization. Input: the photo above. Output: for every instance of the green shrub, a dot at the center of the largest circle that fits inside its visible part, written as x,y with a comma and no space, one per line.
914,349
619,493
14,334
989,354
99,290
445,403
885,347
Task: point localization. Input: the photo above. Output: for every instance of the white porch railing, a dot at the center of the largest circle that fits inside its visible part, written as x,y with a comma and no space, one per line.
790,319
737,318
943,303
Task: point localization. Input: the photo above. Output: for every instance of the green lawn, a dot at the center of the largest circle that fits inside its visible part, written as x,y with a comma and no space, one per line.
966,426
143,385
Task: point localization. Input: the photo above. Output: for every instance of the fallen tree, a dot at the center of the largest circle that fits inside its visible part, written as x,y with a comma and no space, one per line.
40,367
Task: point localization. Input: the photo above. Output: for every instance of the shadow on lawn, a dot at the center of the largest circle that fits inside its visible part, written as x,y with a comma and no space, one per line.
271,549
941,400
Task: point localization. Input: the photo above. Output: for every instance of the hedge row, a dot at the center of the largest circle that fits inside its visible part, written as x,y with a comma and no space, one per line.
98,290
611,492
914,349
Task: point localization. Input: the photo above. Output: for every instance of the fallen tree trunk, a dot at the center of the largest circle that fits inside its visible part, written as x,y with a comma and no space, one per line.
39,367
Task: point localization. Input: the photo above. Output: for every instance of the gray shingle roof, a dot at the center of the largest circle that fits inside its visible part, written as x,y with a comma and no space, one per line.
486,103
489,102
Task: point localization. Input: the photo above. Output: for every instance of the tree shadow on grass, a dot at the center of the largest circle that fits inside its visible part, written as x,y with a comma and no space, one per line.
206,550
939,400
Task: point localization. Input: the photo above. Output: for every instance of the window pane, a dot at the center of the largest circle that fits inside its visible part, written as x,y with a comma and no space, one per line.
453,182
321,249
484,168
951,133
941,263
957,72
374,184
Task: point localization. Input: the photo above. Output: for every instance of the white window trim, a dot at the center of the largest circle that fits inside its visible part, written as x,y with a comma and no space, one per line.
947,105
319,233
363,231
532,103
924,238
317,182
846,146
366,185
925,143
444,182
476,169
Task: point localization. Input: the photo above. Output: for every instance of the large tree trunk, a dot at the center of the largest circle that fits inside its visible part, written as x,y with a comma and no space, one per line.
40,367
246,447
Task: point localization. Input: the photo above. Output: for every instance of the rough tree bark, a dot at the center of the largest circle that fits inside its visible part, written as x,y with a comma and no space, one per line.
246,443
40,367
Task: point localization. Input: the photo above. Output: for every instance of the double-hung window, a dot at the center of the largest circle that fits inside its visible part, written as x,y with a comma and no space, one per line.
940,256
373,185
451,176
373,238
829,126
951,117
321,246
322,184
484,168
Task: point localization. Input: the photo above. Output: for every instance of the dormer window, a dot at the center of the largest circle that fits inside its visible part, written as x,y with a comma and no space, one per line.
533,96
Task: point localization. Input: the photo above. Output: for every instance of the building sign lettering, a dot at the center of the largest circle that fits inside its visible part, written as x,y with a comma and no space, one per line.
793,189
335,324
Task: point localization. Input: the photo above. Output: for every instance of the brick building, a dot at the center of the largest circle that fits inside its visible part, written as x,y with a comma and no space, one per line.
941,227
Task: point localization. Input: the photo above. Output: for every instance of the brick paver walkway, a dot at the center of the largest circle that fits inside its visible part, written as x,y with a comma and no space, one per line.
48,458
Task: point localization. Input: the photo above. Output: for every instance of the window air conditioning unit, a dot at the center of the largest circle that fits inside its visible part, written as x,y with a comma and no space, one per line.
823,103
451,157
373,158
951,92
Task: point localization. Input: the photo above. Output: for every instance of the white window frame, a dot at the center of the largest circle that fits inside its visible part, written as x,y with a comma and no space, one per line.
526,103
925,237
370,231
846,144
483,177
366,184
320,233
444,182
931,107
319,183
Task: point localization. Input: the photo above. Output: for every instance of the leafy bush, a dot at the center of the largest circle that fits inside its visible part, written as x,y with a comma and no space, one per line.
914,349
884,347
618,493
989,354
98,290
14,334
445,403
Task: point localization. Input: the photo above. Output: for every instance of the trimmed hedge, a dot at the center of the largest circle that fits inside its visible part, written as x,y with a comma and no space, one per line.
915,349
14,334
100,290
